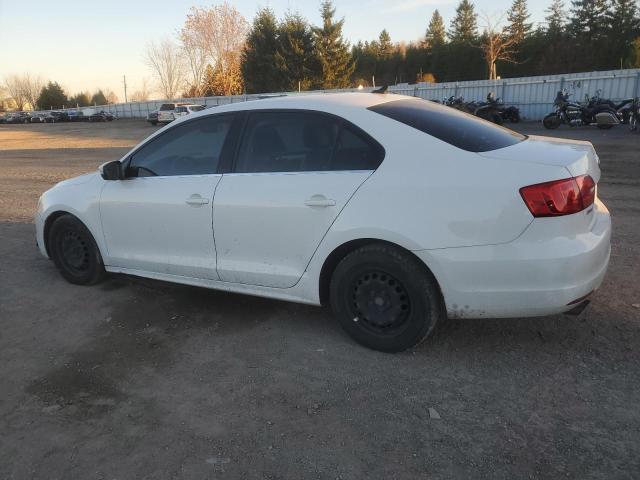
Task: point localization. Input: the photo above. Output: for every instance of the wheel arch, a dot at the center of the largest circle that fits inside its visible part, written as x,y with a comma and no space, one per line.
52,217
333,259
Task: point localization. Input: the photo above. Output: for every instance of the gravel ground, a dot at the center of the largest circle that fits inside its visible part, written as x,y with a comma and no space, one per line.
142,379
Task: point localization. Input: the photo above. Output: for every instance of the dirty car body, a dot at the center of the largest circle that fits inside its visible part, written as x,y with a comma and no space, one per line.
273,197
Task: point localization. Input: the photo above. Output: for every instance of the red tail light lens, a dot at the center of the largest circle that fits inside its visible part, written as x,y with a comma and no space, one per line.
560,197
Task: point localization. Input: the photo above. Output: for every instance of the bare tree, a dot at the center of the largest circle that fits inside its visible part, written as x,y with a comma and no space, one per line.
195,52
33,85
16,88
220,32
496,45
111,96
141,95
164,58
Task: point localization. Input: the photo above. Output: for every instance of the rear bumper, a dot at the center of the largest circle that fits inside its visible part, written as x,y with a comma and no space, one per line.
540,273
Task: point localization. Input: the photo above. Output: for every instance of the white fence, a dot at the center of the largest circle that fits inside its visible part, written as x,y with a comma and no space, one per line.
533,95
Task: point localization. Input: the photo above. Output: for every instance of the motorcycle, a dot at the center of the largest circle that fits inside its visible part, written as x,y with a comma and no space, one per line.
575,114
634,115
490,110
623,108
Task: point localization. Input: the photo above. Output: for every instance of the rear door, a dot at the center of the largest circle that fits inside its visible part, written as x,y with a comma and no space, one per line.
294,172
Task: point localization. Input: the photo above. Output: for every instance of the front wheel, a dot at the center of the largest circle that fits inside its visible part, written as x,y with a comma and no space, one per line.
74,251
551,121
384,298
633,123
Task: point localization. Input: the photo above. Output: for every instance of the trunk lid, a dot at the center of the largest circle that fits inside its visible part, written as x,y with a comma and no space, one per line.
577,156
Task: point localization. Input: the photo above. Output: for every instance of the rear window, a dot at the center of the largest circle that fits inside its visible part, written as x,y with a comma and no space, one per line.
167,106
197,108
449,125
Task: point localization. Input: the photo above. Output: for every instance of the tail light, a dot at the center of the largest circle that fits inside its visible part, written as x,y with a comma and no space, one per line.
560,197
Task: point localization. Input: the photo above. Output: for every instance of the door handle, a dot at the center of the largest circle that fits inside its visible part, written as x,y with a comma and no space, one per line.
196,200
320,201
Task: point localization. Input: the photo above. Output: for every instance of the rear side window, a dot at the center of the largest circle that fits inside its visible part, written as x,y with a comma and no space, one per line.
289,141
449,125
167,106
356,152
197,108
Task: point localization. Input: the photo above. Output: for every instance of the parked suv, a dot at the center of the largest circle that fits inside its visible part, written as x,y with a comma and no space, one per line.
183,110
166,112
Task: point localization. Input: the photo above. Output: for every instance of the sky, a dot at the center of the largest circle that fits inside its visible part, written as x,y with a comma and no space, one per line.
89,45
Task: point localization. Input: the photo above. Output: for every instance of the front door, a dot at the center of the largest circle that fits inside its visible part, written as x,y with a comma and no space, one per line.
159,219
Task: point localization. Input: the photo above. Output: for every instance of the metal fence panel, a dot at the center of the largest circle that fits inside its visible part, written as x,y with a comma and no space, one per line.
532,95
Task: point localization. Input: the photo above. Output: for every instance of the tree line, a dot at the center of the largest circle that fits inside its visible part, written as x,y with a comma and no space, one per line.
225,55
217,52
28,91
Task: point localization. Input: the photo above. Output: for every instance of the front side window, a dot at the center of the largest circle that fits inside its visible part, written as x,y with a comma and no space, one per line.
191,148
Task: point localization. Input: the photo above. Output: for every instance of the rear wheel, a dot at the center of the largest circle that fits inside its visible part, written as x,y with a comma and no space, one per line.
551,121
384,298
74,251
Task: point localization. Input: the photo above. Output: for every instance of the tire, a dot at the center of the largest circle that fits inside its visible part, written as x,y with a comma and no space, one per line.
633,123
74,251
384,298
515,117
551,121
497,119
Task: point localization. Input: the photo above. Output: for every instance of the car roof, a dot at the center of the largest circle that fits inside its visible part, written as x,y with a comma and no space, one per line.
326,102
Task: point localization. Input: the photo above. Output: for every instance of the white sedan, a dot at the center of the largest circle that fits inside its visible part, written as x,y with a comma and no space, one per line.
396,211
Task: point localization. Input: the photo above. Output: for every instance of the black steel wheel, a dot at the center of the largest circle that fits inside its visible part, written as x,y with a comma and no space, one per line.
74,251
385,298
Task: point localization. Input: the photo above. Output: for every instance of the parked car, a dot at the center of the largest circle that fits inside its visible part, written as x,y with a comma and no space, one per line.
56,116
166,112
19,117
394,210
152,117
3,118
76,116
38,118
182,110
101,116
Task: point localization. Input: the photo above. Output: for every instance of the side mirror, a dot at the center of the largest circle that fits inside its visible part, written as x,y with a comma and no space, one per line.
112,170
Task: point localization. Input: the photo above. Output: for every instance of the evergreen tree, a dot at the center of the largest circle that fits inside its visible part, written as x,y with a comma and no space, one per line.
464,26
625,26
385,47
52,96
518,27
296,57
80,100
555,18
436,33
588,18
99,98
333,52
258,63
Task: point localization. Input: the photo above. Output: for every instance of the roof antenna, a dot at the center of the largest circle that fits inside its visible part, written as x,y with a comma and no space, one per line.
381,89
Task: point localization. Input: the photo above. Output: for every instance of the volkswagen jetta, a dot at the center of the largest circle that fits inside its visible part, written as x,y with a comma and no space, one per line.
396,211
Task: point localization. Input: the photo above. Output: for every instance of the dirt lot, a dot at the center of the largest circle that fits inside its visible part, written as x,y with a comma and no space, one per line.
141,379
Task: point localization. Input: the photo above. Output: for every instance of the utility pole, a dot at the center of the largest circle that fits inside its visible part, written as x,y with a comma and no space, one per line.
124,81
